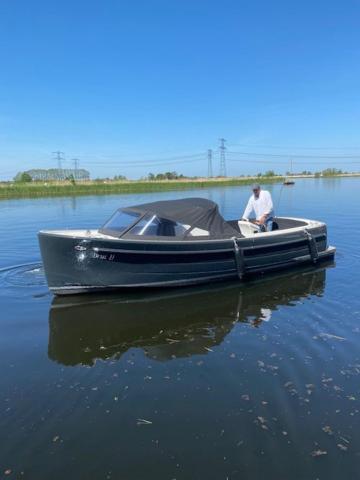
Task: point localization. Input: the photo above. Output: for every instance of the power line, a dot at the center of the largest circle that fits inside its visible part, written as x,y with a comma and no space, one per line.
283,155
76,167
170,154
210,168
59,158
154,160
293,146
141,164
222,149
271,162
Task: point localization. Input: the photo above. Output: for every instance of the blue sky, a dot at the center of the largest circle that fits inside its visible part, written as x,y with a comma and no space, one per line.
129,86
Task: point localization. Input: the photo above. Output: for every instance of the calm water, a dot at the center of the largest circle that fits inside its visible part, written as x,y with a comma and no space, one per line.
255,381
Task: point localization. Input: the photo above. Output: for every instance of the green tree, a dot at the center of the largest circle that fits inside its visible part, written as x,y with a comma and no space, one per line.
71,179
331,172
23,177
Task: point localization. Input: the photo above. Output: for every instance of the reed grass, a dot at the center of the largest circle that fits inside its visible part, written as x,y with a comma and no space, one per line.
10,190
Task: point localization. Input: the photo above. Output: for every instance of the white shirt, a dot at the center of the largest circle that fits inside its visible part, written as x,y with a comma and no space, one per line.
260,205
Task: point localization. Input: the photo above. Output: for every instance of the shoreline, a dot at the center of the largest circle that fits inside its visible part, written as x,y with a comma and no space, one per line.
14,190
108,187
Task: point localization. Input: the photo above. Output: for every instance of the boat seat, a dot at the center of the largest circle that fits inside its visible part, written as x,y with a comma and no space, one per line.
248,229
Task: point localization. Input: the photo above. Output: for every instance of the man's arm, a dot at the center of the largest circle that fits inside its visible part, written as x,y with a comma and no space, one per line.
268,206
248,209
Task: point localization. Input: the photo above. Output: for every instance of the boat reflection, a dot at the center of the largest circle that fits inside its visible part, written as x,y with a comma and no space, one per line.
171,323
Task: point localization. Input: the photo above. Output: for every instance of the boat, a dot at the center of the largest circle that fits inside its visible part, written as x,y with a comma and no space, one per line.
175,243
171,323
288,179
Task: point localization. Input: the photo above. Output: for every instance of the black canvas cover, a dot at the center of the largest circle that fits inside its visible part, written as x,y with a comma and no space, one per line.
196,212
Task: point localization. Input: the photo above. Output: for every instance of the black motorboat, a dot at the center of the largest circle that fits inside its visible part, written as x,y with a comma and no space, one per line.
175,243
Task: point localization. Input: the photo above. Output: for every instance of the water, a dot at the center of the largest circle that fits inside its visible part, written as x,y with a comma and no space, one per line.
230,381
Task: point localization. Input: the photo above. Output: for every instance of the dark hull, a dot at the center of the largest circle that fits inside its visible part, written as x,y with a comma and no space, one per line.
76,264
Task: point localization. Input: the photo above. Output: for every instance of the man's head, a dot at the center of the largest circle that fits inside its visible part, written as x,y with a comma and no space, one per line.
256,189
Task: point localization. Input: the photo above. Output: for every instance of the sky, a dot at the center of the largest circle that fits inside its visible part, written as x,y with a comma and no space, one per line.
136,86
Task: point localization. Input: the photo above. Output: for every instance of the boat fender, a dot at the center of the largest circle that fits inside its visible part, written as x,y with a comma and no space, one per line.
239,259
314,254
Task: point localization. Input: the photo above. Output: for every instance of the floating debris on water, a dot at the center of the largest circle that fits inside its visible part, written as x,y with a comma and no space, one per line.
331,337
345,440
262,422
327,429
318,453
342,447
327,380
142,421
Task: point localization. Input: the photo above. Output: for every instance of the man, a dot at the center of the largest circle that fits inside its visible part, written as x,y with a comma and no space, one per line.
261,204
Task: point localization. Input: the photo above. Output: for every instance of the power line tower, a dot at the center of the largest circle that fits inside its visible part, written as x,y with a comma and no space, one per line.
210,167
59,158
222,149
76,167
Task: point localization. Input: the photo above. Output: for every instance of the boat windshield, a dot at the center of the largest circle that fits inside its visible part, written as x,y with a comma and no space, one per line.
129,224
154,226
120,222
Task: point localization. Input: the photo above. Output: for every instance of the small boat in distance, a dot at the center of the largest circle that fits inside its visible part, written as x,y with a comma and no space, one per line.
175,243
288,179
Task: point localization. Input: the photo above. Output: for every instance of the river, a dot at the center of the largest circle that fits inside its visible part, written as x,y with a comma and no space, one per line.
232,381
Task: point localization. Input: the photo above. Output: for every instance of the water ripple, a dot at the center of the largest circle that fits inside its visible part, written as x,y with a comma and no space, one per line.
24,275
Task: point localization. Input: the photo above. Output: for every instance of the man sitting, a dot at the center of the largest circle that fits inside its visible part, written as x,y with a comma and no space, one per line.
261,204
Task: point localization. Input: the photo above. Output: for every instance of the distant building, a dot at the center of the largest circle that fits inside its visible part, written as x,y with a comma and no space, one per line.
38,174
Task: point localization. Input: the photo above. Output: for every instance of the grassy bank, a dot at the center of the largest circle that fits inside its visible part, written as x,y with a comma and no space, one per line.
66,189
